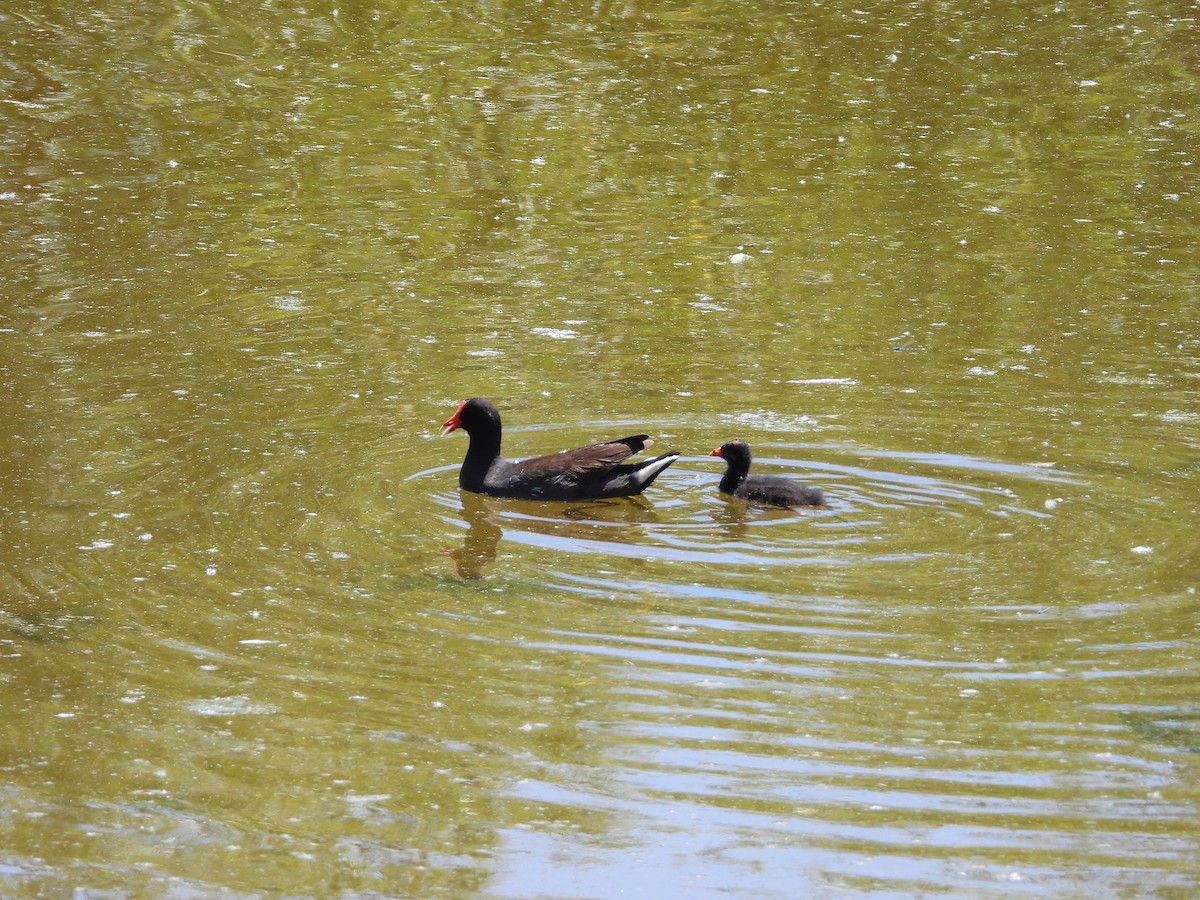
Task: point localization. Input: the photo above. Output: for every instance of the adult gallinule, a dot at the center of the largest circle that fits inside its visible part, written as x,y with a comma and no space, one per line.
772,490
587,473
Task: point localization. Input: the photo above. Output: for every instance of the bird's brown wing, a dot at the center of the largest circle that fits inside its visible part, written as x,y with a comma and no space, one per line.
584,461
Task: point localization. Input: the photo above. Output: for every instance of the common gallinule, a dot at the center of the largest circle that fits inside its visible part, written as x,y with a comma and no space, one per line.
772,490
588,473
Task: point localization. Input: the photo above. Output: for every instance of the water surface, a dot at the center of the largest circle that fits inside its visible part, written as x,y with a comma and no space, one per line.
937,260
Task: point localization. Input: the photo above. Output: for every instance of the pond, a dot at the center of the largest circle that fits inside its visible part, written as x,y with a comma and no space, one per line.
937,260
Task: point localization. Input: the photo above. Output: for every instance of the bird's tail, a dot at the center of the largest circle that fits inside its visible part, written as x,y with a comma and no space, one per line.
645,474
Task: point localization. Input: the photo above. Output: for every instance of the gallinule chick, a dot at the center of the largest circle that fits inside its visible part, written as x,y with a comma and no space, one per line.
772,490
588,473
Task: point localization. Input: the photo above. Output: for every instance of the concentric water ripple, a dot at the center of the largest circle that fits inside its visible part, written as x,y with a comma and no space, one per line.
756,673
899,683
872,508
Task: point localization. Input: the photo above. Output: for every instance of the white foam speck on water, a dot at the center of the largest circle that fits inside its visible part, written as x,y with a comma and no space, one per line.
707,306
485,353
1149,380
844,381
231,706
773,421
1179,415
563,334
292,302
360,801
1142,550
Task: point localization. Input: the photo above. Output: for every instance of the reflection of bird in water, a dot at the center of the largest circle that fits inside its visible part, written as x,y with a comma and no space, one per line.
737,519
483,536
732,519
613,521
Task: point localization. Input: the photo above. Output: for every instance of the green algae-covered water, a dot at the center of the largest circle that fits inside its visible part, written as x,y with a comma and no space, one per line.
937,259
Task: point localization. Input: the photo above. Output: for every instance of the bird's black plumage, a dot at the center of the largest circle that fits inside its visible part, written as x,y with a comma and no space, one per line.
769,490
591,472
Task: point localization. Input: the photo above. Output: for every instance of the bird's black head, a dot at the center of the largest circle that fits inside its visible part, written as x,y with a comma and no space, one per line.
473,415
733,452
